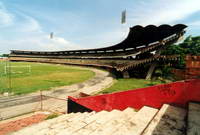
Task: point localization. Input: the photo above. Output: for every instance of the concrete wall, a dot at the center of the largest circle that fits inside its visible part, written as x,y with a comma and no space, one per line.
192,69
177,93
192,66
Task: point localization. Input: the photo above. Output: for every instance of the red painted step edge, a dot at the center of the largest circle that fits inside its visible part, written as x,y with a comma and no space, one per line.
177,93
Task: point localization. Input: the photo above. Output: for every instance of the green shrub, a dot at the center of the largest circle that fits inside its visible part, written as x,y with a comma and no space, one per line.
52,116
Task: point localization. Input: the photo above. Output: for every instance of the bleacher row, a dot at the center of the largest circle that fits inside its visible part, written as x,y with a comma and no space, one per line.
129,65
169,120
118,64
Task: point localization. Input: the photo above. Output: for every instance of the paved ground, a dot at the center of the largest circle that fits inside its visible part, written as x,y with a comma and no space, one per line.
15,106
12,126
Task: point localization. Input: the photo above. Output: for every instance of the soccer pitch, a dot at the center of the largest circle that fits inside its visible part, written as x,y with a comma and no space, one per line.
24,77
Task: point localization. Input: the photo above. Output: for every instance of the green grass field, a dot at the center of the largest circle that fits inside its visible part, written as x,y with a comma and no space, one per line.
128,84
41,77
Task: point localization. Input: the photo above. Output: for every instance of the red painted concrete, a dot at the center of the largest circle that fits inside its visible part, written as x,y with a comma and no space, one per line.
177,93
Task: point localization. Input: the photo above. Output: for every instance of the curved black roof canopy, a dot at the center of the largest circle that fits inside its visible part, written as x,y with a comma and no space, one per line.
140,36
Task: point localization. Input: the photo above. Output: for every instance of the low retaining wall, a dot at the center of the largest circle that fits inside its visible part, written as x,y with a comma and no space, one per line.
192,66
177,93
179,73
192,70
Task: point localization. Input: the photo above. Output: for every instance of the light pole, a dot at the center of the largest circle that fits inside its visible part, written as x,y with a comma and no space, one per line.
9,75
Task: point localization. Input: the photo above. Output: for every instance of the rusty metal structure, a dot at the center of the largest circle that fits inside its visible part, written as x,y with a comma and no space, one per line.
142,46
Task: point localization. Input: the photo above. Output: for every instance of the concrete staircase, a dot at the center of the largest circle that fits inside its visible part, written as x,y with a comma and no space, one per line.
169,120
193,120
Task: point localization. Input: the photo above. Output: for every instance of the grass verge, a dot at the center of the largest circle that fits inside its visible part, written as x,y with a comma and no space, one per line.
52,116
129,84
41,77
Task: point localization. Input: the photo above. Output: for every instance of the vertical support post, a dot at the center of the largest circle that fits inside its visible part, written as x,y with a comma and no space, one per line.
41,102
9,75
5,68
29,67
126,74
150,72
153,66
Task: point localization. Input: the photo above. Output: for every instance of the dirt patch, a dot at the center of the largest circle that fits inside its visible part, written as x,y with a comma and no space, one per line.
16,125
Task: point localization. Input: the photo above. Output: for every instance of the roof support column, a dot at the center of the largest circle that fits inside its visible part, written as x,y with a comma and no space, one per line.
153,65
151,70
126,74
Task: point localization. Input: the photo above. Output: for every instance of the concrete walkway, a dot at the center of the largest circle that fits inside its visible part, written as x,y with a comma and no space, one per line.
18,105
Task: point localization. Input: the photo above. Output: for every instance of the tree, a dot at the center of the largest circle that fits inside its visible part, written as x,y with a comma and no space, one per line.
190,46
5,55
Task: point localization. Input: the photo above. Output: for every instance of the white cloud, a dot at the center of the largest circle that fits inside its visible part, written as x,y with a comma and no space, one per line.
195,23
38,43
30,25
155,12
162,11
56,44
30,35
6,18
105,39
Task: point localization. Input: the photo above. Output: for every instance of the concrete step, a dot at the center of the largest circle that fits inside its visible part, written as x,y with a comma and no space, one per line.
76,118
123,117
98,122
193,119
129,110
135,125
69,128
43,125
94,117
147,121
69,125
170,120
46,126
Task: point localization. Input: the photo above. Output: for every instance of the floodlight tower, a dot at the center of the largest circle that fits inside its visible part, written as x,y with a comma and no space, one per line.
51,35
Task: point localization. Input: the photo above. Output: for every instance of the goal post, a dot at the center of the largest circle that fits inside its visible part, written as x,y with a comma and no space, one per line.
10,69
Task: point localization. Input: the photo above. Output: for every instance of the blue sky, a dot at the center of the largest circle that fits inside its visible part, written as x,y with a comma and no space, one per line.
26,24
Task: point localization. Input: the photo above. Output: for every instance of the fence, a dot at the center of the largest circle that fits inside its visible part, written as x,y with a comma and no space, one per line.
53,103
176,93
13,106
